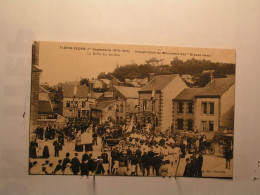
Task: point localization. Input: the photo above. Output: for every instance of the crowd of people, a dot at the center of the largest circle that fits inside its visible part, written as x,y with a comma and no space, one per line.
136,152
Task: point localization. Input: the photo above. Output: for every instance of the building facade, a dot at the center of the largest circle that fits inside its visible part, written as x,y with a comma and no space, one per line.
155,100
73,101
125,99
209,109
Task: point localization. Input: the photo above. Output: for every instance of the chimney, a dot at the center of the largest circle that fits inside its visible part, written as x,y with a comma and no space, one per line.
211,77
150,76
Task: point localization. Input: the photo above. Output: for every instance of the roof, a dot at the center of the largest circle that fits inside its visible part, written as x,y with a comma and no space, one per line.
220,85
43,94
128,92
215,88
159,82
187,94
81,91
95,95
102,105
44,107
43,90
106,81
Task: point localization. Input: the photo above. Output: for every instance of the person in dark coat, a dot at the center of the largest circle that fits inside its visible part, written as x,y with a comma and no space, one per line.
157,164
32,149
104,156
228,154
196,166
65,161
192,166
91,164
129,154
187,171
45,153
84,169
85,157
145,163
75,164
183,152
56,147
200,163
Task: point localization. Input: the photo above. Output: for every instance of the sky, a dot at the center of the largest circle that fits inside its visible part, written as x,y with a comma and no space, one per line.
64,61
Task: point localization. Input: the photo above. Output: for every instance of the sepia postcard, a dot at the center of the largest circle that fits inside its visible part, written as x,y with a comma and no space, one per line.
131,110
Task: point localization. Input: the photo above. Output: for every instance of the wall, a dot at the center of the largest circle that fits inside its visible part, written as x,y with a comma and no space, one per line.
199,116
70,111
168,94
227,108
200,23
185,115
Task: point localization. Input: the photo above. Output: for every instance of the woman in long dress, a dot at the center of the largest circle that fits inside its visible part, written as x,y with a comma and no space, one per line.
45,153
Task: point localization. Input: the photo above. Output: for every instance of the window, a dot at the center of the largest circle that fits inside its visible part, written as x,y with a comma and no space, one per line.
180,107
211,125
190,125
121,108
204,108
153,104
203,125
211,108
68,104
180,124
190,109
83,104
144,105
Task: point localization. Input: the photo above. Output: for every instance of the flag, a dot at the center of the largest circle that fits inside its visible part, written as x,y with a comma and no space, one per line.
86,137
130,126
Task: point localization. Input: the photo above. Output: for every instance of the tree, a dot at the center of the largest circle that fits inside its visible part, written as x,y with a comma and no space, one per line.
84,81
154,62
202,81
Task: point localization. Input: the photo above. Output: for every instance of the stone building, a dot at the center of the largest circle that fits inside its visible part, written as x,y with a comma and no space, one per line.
208,109
104,111
126,100
155,100
73,100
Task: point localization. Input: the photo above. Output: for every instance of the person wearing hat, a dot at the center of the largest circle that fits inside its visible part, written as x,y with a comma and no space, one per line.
75,164
65,161
56,147
187,171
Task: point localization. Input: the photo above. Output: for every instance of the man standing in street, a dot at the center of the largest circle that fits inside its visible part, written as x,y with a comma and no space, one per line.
56,147
200,163
75,164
